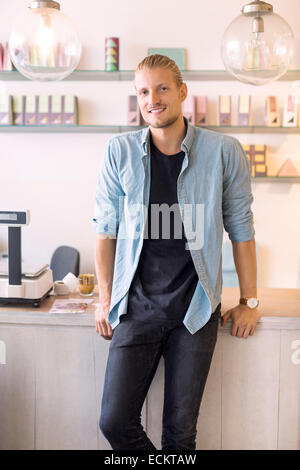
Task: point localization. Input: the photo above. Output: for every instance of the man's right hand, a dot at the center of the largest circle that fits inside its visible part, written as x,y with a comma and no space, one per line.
102,324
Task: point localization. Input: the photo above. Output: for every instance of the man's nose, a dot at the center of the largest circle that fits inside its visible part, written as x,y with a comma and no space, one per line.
153,98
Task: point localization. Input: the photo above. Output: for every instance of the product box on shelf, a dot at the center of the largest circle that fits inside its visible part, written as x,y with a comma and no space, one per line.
259,160
257,157
189,109
43,117
56,110
112,46
31,110
224,110
70,109
272,118
174,53
201,111
287,169
34,110
6,117
290,111
133,113
244,110
18,110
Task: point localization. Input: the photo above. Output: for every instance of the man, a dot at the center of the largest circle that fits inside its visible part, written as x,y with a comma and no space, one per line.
160,290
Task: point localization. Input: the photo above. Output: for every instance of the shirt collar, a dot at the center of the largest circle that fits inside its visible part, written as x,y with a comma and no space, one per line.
186,143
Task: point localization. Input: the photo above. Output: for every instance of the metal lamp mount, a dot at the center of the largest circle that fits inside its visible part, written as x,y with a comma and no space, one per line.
257,9
44,4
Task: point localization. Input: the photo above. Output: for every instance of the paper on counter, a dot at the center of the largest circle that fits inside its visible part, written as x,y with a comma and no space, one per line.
70,281
70,305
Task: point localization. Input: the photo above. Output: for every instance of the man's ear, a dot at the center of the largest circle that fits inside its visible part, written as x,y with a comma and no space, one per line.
183,92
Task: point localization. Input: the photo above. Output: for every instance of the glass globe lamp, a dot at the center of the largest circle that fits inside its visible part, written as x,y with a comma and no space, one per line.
258,46
44,44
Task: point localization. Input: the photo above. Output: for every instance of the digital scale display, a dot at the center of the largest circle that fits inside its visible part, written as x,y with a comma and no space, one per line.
10,216
14,218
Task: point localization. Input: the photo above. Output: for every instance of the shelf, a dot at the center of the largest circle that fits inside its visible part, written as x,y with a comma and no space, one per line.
254,129
276,179
96,128
68,129
128,75
120,129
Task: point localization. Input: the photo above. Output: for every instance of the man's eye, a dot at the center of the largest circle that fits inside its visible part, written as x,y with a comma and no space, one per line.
163,88
143,92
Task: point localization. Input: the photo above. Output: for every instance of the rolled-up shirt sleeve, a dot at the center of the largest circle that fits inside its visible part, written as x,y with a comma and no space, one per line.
237,195
108,194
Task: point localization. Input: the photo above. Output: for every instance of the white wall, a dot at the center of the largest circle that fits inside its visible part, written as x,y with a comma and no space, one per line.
54,175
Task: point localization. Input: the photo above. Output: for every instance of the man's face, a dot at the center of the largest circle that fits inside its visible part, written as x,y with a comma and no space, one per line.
159,98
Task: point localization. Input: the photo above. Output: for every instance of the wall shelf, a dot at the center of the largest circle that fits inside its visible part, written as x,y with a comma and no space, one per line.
120,129
128,75
276,179
101,129
90,129
255,129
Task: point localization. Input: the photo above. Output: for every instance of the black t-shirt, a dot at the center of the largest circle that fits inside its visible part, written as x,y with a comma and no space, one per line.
165,279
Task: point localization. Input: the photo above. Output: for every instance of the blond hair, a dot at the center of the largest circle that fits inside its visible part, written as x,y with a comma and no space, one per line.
163,61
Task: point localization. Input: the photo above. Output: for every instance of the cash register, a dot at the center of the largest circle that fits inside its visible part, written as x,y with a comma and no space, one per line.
21,282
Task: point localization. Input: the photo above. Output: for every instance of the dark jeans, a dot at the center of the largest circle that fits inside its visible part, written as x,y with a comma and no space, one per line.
134,353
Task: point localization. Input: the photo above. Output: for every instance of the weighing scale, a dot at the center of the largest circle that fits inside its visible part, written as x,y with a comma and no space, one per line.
21,283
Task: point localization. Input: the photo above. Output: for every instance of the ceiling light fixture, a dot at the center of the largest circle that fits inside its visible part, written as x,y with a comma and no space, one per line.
44,43
258,46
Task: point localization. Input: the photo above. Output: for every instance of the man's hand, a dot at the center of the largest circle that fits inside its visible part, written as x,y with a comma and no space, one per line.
102,324
244,320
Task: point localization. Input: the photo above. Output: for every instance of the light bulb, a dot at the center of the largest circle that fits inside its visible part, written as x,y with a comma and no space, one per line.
258,54
44,44
258,46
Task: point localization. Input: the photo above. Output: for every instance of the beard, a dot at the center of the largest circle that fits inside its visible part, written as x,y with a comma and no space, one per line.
161,125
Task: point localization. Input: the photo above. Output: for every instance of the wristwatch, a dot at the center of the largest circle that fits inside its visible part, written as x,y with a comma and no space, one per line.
252,302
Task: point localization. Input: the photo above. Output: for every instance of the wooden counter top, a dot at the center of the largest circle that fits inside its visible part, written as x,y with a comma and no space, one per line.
279,304
46,304
273,302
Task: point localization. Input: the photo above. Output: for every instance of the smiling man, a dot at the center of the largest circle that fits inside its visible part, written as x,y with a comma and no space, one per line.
159,291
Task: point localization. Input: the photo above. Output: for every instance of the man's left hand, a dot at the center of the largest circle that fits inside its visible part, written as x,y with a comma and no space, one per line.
244,320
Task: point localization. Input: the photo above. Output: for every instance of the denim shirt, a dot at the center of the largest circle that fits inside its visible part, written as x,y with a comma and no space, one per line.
213,190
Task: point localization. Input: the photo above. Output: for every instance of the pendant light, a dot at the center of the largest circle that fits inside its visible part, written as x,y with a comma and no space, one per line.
44,44
258,46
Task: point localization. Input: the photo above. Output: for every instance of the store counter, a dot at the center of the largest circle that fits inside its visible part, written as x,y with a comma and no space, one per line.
52,371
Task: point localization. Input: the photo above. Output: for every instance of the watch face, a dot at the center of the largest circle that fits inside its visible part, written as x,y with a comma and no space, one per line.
252,303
